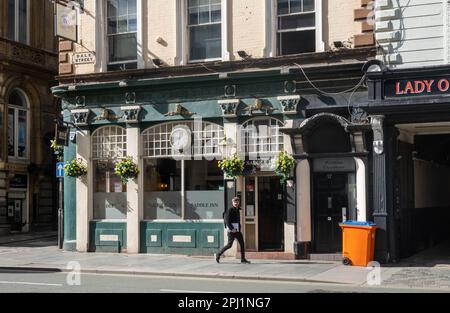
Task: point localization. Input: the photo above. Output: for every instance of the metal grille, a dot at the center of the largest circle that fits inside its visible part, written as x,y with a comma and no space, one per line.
109,142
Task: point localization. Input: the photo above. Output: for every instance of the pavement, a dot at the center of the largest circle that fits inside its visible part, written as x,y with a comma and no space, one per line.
41,253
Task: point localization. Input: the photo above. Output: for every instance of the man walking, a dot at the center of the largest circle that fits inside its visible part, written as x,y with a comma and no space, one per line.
232,220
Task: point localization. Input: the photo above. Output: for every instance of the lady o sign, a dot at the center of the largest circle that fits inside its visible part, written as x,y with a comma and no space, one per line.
417,87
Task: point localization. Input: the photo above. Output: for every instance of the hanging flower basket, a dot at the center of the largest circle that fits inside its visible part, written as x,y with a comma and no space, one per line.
126,169
283,165
57,150
75,168
232,167
249,169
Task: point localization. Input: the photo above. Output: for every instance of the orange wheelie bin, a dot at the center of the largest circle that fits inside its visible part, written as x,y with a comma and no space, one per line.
358,242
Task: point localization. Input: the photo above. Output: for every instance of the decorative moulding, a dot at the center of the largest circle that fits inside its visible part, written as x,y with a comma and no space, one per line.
229,107
131,113
81,116
289,104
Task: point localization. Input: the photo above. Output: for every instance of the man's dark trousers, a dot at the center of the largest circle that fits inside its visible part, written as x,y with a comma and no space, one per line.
231,237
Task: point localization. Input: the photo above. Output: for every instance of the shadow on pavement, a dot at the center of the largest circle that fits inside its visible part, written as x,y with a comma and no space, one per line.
18,270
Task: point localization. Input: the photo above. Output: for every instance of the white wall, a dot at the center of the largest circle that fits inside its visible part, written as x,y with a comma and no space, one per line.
431,184
412,33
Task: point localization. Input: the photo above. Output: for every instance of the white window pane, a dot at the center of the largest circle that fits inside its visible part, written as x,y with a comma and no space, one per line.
22,140
193,3
12,19
297,21
204,15
205,42
23,21
123,7
132,7
308,5
122,24
216,13
122,48
283,7
193,16
112,25
203,2
112,8
11,132
296,6
132,23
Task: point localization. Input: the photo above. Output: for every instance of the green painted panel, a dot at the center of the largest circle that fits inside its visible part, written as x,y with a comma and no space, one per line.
181,238
150,235
98,229
209,234
198,231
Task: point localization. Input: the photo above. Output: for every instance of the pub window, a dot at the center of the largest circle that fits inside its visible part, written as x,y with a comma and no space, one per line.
296,26
17,125
110,195
18,20
190,187
205,30
261,137
122,34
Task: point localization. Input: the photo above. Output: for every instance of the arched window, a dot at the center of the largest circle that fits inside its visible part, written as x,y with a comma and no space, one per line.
261,137
190,187
18,141
109,144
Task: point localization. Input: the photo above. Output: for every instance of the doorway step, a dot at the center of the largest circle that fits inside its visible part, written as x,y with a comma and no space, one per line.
267,255
326,257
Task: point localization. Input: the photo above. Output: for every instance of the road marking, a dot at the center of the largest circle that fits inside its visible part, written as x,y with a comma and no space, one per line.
28,283
186,291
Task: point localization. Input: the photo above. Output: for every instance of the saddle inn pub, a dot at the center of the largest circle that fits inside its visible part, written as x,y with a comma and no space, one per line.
342,143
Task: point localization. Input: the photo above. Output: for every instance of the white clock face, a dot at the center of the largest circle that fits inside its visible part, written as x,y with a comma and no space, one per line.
180,138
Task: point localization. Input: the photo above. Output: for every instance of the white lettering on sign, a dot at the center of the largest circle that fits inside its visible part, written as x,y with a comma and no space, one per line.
153,238
210,239
83,58
181,239
109,238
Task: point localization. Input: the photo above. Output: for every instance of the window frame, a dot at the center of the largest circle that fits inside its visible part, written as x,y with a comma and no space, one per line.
103,27
319,44
145,139
17,23
105,156
17,109
188,33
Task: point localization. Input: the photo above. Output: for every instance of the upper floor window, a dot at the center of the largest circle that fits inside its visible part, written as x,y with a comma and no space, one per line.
205,30
122,34
17,125
18,20
296,26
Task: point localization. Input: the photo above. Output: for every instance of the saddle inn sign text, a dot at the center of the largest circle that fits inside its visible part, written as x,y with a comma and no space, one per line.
417,87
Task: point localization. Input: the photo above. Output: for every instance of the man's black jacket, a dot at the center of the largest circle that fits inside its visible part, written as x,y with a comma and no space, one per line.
232,215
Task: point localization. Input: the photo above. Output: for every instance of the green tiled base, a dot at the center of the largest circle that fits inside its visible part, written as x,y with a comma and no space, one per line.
191,238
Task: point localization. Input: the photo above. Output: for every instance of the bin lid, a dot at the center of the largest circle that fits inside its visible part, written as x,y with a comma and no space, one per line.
355,223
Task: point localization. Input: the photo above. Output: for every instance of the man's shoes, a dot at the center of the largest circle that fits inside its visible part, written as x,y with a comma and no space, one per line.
245,261
217,257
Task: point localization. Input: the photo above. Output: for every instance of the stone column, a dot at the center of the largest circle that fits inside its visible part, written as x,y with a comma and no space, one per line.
304,235
134,211
84,187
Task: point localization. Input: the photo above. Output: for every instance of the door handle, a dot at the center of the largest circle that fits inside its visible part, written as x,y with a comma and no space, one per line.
329,218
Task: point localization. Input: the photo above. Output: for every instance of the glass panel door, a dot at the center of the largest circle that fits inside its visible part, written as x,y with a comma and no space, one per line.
251,214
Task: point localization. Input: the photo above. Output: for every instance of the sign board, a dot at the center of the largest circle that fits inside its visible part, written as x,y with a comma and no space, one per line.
60,170
425,86
332,165
19,181
83,58
66,22
62,135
